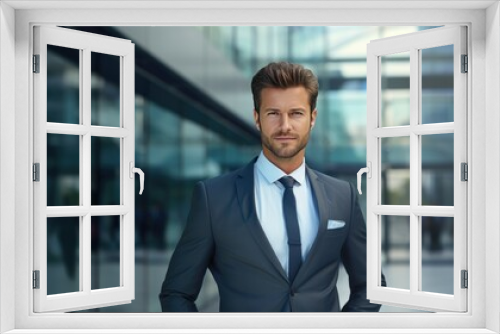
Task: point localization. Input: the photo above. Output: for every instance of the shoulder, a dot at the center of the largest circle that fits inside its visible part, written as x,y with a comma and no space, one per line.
223,179
229,178
331,182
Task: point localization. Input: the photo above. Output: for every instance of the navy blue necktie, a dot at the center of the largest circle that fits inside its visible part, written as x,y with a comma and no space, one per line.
292,227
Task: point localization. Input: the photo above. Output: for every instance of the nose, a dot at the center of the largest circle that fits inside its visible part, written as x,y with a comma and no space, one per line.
285,123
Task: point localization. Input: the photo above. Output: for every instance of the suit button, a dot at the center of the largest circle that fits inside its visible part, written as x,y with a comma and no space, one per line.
292,293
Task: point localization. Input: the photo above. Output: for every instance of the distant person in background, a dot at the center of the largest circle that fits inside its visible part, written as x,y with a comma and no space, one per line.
274,232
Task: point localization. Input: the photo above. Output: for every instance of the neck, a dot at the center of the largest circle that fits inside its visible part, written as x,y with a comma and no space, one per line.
287,165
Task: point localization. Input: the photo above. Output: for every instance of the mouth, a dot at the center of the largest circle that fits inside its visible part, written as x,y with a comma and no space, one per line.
284,138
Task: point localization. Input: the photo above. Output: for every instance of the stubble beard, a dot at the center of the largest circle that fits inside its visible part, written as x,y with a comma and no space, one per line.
284,151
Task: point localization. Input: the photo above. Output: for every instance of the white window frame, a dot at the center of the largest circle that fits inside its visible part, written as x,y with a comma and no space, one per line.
85,43
483,20
413,43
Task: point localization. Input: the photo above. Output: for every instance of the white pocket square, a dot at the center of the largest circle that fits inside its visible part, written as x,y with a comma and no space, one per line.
335,224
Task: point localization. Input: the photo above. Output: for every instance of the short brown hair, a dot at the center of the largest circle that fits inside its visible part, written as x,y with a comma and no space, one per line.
284,75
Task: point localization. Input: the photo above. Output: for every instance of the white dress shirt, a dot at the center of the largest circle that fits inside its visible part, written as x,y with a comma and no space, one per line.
269,204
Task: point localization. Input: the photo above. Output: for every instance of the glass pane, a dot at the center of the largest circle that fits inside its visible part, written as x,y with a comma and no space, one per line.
437,254
63,255
395,89
105,260
437,84
105,79
63,85
395,171
63,169
437,169
105,171
395,250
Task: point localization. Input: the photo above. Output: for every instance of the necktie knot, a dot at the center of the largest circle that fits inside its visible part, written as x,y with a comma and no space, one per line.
287,181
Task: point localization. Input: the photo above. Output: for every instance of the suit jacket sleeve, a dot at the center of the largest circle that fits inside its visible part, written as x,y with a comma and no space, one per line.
354,260
191,258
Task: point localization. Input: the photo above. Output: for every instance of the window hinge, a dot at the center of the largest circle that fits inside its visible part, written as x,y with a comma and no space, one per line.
465,64
36,172
464,171
465,279
36,279
36,63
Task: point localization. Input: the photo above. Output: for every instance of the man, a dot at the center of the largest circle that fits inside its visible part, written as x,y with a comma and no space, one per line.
273,233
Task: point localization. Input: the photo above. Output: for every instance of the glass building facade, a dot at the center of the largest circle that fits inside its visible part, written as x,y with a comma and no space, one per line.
194,121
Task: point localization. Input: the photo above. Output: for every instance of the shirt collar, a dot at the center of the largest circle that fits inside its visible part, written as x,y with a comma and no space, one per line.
271,173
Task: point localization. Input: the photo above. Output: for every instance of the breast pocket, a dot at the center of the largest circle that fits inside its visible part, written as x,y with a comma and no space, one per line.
336,228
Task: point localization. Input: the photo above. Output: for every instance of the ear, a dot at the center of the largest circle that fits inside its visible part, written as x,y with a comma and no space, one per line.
314,113
256,119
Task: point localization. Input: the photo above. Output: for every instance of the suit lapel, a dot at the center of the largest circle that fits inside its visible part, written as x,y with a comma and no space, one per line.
321,200
246,198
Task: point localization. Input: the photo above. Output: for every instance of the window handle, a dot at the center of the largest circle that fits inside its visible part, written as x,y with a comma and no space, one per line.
368,171
141,175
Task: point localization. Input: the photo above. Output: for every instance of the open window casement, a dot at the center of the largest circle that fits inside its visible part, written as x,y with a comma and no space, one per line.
83,215
417,169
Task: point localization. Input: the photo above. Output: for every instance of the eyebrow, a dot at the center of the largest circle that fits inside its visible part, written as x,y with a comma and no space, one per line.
277,109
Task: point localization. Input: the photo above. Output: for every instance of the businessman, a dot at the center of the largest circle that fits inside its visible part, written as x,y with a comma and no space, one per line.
274,232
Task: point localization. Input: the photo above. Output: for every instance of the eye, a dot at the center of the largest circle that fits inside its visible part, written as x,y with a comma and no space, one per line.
297,113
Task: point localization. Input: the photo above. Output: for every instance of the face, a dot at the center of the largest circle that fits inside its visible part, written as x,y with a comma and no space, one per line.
285,122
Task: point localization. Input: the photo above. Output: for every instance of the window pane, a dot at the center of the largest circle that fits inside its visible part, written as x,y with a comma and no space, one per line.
395,89
105,259
63,85
395,171
437,169
395,250
105,89
63,170
437,84
63,255
105,171
437,254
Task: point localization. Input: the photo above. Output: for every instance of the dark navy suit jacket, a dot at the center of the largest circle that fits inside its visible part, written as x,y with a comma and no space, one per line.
223,234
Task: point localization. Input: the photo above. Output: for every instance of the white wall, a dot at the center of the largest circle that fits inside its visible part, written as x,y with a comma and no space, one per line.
390,323
492,157
7,163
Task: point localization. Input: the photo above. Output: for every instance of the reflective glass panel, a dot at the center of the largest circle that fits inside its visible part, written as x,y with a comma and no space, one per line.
437,84
105,93
105,260
395,89
63,255
395,250
437,169
437,254
105,171
63,85
63,169
395,171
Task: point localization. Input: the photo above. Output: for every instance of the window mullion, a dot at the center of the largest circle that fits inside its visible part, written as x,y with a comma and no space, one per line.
85,89
85,274
414,170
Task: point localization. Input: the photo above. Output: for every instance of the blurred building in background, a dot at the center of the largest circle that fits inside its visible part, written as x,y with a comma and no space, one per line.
194,121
